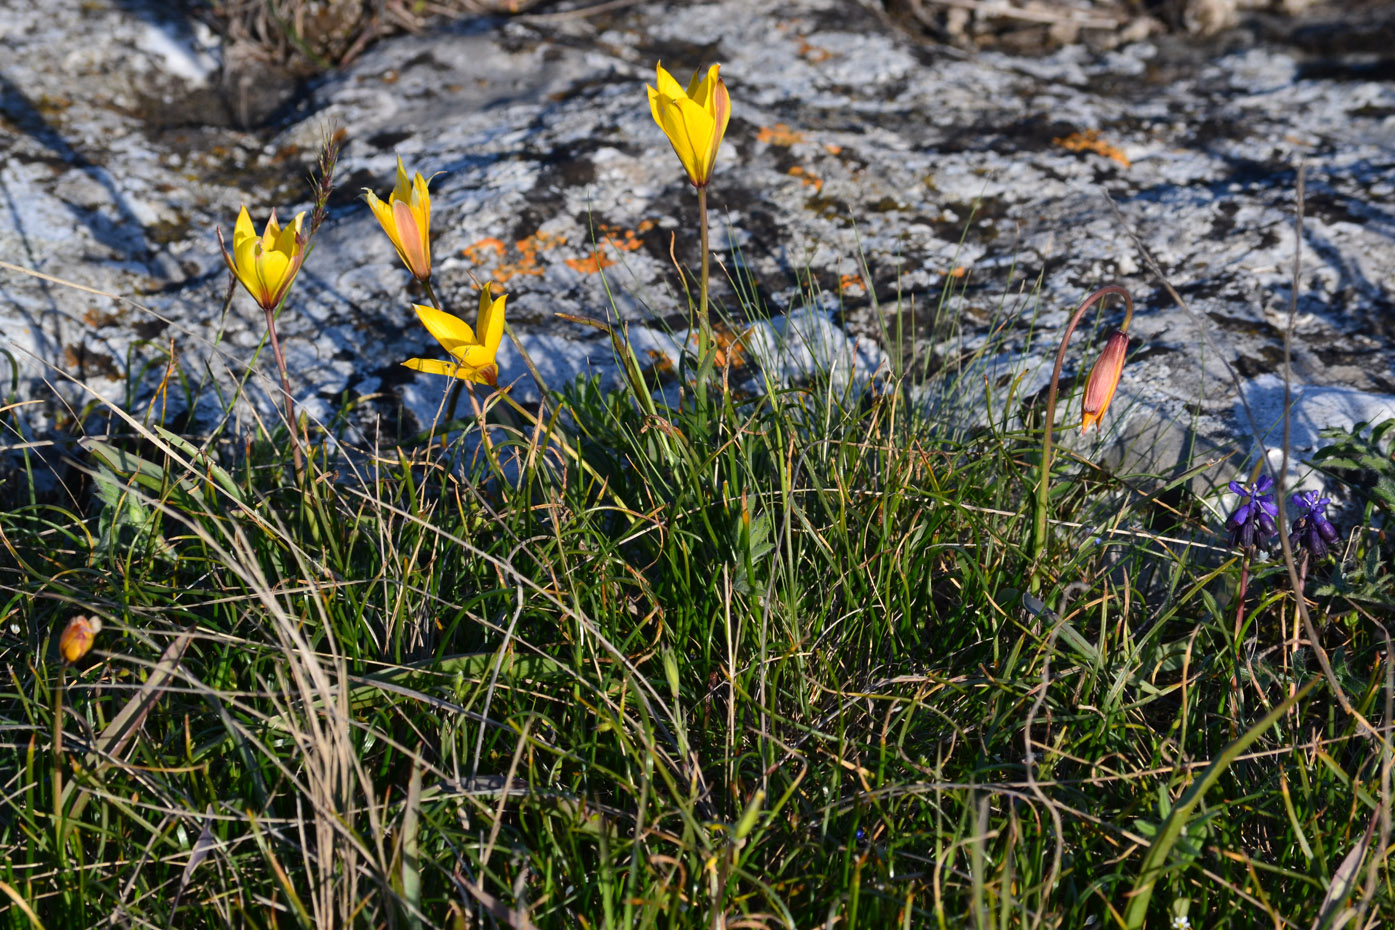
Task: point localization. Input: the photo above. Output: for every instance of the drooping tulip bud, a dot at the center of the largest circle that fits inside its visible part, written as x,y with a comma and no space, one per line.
1104,378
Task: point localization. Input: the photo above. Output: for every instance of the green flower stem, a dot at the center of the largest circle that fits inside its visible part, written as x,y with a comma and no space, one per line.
706,345
1047,440
454,398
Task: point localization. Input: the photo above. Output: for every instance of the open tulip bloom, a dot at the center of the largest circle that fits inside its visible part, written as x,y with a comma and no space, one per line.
694,120
266,264
406,218
472,351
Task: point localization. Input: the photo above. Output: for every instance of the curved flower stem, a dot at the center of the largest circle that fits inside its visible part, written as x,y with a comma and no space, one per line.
1048,439
286,390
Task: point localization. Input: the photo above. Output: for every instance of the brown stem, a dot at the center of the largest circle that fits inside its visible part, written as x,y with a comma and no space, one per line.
286,390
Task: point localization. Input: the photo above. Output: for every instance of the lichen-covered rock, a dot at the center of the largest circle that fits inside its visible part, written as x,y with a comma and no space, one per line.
870,184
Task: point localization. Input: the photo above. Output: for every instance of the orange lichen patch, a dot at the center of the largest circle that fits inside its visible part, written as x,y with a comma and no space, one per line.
659,362
833,148
958,271
624,240
779,134
814,54
731,346
807,178
1090,141
621,240
527,249
591,265
850,282
473,252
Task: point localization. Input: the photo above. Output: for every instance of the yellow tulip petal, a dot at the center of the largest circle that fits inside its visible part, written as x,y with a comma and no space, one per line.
286,239
689,129
403,190
720,111
700,87
421,210
243,230
381,211
272,231
490,326
656,103
667,86
272,271
488,374
475,357
450,331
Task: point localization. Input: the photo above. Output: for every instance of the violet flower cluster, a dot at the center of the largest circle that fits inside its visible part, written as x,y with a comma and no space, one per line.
1252,525
1311,528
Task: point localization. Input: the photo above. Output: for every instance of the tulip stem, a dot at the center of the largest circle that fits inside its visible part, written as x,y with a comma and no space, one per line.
454,398
286,390
1047,440
706,345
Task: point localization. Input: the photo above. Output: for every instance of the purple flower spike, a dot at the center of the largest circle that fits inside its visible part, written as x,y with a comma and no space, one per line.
1311,528
1252,524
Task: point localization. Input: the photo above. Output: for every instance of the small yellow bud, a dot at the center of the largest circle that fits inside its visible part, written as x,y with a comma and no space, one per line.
77,637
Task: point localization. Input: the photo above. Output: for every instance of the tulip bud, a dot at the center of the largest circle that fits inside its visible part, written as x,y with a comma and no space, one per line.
77,637
1104,378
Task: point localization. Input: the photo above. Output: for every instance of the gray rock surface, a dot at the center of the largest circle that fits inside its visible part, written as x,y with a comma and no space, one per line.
968,192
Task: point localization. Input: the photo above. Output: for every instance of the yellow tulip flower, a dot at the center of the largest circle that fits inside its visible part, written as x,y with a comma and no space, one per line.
694,120
472,350
266,264
1104,379
406,218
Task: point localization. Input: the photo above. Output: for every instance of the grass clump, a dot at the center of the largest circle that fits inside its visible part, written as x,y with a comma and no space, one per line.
777,672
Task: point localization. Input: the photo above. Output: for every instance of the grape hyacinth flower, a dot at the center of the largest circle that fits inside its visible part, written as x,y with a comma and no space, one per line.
1252,524
1311,528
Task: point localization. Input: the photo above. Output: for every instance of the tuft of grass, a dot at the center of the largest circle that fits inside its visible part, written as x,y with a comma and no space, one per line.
631,667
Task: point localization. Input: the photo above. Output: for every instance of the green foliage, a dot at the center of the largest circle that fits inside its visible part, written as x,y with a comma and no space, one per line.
1362,458
768,666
